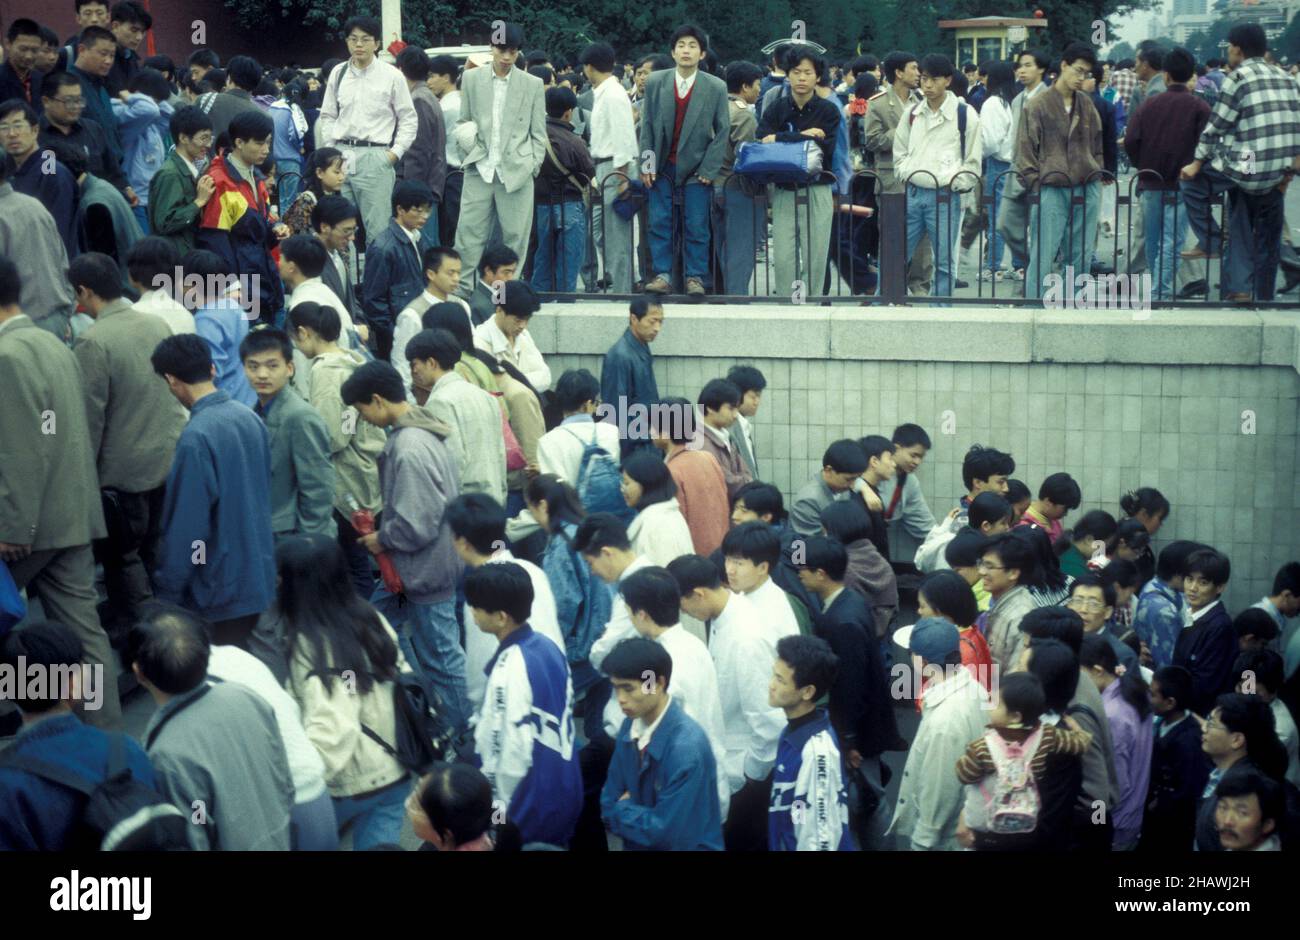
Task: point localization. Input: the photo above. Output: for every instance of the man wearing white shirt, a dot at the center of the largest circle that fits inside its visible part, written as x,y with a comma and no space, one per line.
367,113
743,651
444,70
752,550
148,260
560,449
478,528
441,276
302,261
614,149
654,604
506,335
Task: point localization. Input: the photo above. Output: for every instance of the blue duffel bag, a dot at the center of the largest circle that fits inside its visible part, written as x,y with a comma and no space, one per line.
780,162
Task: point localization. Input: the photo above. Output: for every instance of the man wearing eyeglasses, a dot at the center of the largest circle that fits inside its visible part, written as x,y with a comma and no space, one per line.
1094,602
368,114
64,105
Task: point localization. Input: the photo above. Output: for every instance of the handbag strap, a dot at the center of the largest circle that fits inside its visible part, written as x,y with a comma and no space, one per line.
157,729
565,170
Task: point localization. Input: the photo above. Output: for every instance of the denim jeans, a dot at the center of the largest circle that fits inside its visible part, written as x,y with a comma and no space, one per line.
377,816
1199,194
561,244
695,205
995,176
737,222
1165,228
1255,223
940,219
431,227
141,213
313,826
429,635
1055,227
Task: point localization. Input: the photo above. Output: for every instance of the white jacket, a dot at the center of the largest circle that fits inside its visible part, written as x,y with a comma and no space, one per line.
659,533
774,610
996,125
953,714
694,684
743,653
480,647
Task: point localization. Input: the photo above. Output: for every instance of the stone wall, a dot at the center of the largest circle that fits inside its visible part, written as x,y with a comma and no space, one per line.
1201,405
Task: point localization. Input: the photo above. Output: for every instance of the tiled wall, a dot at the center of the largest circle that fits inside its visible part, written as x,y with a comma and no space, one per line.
1113,427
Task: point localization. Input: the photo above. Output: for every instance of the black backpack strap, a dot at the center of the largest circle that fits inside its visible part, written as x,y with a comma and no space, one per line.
157,729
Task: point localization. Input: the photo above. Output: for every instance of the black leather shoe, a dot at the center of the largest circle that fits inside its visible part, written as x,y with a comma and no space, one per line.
1193,289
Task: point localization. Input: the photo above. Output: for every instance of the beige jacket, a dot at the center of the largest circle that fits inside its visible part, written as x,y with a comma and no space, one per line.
354,443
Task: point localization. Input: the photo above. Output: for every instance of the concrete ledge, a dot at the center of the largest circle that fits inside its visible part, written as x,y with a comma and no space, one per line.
1223,337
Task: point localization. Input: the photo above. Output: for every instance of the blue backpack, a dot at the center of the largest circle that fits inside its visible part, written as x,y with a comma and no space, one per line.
600,481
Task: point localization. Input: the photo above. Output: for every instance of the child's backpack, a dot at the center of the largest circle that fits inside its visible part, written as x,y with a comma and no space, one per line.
1011,798
600,481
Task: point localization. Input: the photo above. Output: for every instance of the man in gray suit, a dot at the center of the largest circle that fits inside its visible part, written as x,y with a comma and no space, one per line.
502,132
685,125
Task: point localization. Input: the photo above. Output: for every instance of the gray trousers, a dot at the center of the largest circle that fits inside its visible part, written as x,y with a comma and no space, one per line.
611,233
813,224
370,187
64,580
481,205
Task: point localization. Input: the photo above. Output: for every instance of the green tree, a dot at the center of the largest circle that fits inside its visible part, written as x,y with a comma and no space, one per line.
1121,51
1288,44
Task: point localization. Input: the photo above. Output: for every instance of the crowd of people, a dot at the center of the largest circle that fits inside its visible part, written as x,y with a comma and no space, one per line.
622,176
374,563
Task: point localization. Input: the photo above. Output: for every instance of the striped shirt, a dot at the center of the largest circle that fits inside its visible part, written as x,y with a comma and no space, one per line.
1254,130
1123,81
977,762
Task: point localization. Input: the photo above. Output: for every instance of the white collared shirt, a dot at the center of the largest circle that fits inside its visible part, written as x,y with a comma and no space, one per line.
409,323
487,167
194,170
641,733
1190,618
613,136
450,104
684,85
523,353
371,104
161,304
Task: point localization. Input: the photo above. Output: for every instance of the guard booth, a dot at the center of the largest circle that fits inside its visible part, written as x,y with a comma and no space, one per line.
991,38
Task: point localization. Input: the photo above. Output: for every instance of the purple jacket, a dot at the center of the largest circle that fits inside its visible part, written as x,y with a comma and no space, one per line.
1132,740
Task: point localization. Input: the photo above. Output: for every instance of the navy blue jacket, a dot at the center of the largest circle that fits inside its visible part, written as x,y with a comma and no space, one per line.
11,86
56,191
627,378
394,275
673,805
99,108
37,815
218,493
1207,651
1179,769
1109,133
860,707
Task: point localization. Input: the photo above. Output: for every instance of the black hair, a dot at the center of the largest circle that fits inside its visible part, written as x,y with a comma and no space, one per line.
690,30
187,356
984,463
72,157
129,11
1132,533
1077,51
1054,623
936,66
245,72
1180,64
846,520
599,55
826,554
747,379
741,74
97,273
1096,525
718,392
966,548
1096,651
875,446
439,345
411,194
1264,665
204,58
170,645
433,257
52,647
693,571
1047,572
563,505
1015,554
647,468
367,24
23,27
48,36
370,379
332,210
575,388
1091,579
1023,693
1244,781
754,541
812,661
1212,565
845,456
1001,81
1017,492
654,591
93,34
322,158
950,596
1251,716
307,252
252,125
324,321
1175,683
865,85
450,316
638,658
479,519
1057,668
501,586
1120,572
642,305
674,418
496,255
601,530
559,100
266,339
543,73
457,799
152,83
18,106
1041,58
1287,579
1061,489
414,63
152,257
55,80
909,435
761,498
512,37
797,54
1172,561
1250,38
444,65
894,63
1144,498
988,507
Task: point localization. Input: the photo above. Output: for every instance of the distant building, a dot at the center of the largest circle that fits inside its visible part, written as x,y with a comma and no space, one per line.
1272,15
1187,17
990,38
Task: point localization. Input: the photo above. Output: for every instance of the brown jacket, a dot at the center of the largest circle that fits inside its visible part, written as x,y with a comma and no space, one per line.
1058,149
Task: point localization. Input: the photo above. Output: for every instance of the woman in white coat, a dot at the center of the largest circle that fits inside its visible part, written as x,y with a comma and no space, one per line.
659,532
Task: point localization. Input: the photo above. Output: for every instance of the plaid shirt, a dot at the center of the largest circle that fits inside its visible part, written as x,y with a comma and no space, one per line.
1254,130
1124,81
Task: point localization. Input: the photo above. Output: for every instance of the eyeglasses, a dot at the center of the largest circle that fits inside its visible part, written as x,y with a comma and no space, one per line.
15,128
985,566
360,40
71,102
1086,603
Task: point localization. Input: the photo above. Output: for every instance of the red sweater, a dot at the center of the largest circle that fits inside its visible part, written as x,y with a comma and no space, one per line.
682,104
702,496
